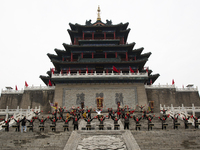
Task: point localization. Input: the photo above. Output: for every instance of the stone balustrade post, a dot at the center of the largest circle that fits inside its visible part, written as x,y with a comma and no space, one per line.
193,110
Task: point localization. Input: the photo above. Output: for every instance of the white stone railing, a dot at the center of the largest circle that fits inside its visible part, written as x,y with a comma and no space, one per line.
187,89
39,87
11,91
183,111
17,114
159,86
99,75
171,86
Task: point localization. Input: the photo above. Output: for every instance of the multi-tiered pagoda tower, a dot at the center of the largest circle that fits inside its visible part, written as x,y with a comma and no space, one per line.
99,68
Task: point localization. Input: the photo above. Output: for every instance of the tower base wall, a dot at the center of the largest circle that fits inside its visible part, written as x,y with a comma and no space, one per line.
131,94
171,96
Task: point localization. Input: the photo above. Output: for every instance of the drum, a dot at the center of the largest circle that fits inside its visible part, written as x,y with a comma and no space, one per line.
15,126
189,124
177,124
29,126
198,123
88,126
52,126
65,126
151,124
138,125
41,126
165,124
4,126
116,125
101,126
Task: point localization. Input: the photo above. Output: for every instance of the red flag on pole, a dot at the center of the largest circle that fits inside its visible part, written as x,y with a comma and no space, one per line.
131,70
16,87
61,71
137,70
115,69
106,71
26,84
50,84
173,82
92,71
52,71
147,70
69,69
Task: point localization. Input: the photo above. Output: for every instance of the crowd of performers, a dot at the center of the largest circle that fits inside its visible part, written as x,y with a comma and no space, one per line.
75,114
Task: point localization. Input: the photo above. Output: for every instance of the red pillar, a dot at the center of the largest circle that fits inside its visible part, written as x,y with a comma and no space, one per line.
81,55
135,58
105,55
71,56
126,56
93,35
115,54
83,35
114,35
74,41
122,40
104,35
92,55
63,59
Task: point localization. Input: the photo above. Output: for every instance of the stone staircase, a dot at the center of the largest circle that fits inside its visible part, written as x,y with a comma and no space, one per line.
47,140
159,139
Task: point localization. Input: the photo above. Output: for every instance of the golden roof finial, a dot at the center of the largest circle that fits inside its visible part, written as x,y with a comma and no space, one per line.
98,14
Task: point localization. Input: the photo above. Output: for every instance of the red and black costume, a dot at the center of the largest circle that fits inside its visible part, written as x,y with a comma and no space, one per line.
88,111
110,112
119,113
88,120
7,125
31,124
175,121
17,124
101,120
196,121
61,111
163,119
137,121
126,122
42,123
150,122
53,124
66,125
141,107
115,123
186,122
75,122
164,112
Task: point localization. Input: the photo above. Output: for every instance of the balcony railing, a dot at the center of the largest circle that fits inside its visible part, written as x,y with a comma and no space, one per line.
171,86
11,91
39,88
99,75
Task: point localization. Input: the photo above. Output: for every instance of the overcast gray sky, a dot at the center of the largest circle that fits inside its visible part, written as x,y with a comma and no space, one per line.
167,28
